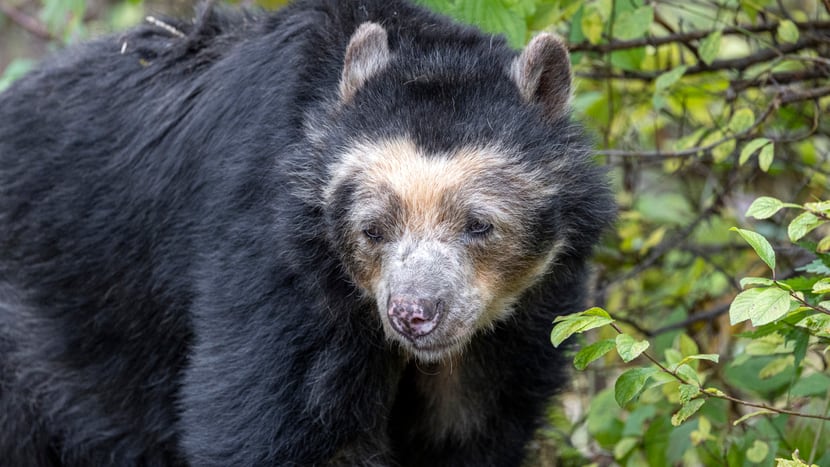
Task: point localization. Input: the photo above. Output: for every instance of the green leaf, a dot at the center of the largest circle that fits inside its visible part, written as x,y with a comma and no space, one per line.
741,304
592,352
822,286
750,148
633,24
752,414
687,392
823,245
802,225
769,305
630,348
756,281
765,157
687,373
578,322
776,366
742,120
592,23
687,410
759,244
631,383
788,31
624,446
764,207
758,452
709,47
665,80
712,357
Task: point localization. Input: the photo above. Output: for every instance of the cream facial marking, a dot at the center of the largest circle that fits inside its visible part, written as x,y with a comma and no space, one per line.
441,235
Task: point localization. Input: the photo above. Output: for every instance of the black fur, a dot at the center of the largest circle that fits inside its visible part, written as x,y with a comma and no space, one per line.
165,297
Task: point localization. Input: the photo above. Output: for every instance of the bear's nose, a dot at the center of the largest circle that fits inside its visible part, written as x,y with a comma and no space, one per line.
414,318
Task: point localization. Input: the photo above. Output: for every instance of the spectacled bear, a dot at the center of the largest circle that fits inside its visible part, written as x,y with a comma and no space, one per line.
336,234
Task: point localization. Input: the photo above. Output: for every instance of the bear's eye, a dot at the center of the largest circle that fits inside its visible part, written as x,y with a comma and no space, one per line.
373,233
478,228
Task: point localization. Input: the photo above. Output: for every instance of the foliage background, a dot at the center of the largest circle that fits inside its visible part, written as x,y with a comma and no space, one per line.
698,107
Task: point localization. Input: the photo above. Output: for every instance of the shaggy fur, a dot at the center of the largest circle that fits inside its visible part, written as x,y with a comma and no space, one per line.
179,278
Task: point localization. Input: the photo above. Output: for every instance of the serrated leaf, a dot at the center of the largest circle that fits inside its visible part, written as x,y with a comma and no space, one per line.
712,357
631,383
819,206
764,207
709,47
756,281
822,286
687,410
802,225
776,366
757,452
568,325
752,414
687,391
742,120
633,24
750,148
823,245
766,156
788,31
759,244
665,80
739,310
592,352
592,24
687,373
629,348
769,305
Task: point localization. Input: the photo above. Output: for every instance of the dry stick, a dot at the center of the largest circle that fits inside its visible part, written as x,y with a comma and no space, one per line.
26,22
722,395
739,64
685,37
786,97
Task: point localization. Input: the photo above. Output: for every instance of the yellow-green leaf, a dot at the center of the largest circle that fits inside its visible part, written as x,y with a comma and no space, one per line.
592,352
758,452
742,120
752,414
788,31
764,207
802,225
760,244
776,366
709,47
665,80
766,156
750,148
770,305
633,23
631,383
687,410
630,348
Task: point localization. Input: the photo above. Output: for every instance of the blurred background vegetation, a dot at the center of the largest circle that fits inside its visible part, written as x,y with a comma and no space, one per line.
698,108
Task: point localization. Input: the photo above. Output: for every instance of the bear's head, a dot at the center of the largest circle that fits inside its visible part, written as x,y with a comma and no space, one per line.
453,182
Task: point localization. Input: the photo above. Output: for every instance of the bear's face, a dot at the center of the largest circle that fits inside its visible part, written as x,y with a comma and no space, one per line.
444,241
444,244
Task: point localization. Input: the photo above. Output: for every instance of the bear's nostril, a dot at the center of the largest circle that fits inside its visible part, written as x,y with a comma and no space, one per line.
414,318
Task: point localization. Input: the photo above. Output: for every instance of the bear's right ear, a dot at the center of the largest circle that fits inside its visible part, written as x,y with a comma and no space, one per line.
543,75
366,55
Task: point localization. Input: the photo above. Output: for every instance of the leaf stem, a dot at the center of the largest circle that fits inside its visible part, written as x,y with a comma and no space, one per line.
727,396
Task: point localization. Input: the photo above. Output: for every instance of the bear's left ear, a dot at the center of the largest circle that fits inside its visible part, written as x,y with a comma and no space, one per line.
543,74
366,55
